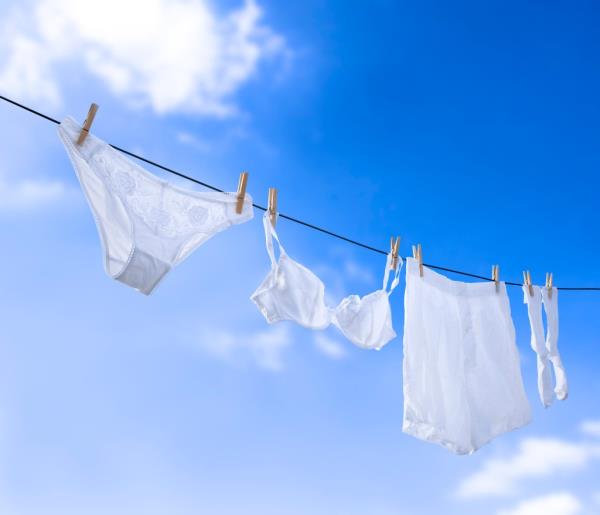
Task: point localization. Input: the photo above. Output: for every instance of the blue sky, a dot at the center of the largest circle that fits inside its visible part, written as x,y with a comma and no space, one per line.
470,127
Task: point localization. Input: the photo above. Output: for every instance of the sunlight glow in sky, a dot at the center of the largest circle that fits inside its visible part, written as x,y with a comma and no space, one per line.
471,128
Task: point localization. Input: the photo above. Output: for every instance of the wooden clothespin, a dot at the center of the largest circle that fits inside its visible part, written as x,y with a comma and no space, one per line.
85,130
272,206
549,283
496,276
394,247
241,192
527,282
418,255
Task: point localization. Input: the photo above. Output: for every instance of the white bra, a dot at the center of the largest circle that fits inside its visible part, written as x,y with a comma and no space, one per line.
292,292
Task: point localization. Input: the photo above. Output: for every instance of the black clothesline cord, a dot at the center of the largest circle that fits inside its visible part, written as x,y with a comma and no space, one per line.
281,215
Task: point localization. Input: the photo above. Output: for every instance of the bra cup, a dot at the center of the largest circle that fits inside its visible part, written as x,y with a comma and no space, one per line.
293,292
266,300
305,301
366,322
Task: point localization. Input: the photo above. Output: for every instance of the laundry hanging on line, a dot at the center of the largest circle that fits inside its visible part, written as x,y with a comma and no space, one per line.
147,226
148,272
461,369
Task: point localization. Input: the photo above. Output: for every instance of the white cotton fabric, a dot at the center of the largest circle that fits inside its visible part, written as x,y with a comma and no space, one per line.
538,344
546,348
561,389
290,291
146,225
462,377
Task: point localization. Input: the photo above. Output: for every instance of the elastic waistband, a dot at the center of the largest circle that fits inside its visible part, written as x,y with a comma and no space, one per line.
70,130
457,288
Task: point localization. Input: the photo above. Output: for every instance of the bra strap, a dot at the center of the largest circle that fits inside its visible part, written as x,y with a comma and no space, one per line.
269,235
386,276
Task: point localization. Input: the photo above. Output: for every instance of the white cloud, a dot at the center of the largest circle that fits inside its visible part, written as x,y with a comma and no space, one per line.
353,270
193,141
264,348
535,458
174,55
591,428
328,346
30,194
561,503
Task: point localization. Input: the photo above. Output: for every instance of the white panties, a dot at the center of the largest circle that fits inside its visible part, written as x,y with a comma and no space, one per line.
146,225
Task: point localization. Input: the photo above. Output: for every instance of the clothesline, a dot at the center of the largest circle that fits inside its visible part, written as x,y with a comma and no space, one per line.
282,215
